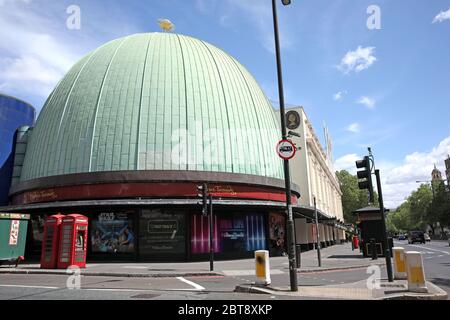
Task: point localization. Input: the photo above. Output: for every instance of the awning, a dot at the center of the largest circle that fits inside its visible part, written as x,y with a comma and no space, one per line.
36,207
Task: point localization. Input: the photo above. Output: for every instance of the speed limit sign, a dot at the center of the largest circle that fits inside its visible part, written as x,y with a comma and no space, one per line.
286,149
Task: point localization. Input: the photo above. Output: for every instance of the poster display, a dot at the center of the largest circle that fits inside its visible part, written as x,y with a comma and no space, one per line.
162,231
235,232
14,232
277,234
113,232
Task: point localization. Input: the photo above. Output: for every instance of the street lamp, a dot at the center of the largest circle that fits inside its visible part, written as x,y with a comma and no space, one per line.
290,220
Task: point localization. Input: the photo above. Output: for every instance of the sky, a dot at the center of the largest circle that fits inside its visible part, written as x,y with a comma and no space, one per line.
376,72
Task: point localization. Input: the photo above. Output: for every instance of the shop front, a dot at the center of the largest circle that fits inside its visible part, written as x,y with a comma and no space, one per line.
160,234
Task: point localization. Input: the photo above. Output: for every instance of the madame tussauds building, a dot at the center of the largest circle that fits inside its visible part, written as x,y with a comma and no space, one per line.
131,131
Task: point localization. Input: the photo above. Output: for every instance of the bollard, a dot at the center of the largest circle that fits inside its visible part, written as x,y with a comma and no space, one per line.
373,248
399,263
414,272
262,267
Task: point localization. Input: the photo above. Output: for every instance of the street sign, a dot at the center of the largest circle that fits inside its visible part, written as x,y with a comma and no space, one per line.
286,149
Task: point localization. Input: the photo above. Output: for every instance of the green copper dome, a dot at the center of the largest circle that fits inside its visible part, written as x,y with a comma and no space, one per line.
155,101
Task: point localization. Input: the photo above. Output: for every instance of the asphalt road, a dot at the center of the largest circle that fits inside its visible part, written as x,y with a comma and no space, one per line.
436,257
436,261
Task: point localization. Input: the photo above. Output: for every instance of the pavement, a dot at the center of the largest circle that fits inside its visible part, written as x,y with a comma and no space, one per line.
343,275
396,290
337,257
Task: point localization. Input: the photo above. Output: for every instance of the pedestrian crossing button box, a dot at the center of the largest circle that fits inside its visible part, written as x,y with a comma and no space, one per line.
50,241
73,237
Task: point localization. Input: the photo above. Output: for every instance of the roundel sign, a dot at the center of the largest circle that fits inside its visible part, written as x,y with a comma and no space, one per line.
286,149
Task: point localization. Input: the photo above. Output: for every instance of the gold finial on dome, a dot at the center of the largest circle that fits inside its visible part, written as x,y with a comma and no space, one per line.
166,25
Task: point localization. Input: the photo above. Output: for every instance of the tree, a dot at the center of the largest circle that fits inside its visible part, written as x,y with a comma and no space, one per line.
439,210
352,197
419,203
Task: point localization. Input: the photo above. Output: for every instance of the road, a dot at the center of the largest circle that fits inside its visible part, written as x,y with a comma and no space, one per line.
436,260
436,257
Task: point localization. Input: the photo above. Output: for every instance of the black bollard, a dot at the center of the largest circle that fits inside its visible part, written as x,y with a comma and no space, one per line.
373,246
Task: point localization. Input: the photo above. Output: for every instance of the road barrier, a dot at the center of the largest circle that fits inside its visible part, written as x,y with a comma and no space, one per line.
414,271
262,267
399,263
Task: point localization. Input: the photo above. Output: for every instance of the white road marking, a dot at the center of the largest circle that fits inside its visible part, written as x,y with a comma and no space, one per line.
417,246
195,285
248,272
23,286
118,290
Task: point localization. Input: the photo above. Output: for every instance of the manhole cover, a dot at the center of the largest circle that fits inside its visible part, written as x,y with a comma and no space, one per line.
145,296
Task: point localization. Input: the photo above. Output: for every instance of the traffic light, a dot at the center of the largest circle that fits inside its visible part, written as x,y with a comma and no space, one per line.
203,194
365,176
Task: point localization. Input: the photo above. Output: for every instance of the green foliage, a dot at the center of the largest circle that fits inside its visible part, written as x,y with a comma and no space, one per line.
352,197
421,208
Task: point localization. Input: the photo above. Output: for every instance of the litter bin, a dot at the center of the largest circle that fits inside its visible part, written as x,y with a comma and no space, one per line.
298,255
13,235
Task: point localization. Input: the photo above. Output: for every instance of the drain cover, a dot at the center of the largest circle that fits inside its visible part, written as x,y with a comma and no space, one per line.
145,296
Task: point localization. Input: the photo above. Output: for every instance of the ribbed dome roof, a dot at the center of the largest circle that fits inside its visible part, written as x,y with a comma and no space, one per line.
128,105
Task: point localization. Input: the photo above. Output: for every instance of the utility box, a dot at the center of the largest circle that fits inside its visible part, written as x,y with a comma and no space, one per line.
50,241
370,225
13,236
73,241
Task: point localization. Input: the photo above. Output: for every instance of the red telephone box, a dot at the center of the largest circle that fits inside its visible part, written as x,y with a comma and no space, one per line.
73,241
49,253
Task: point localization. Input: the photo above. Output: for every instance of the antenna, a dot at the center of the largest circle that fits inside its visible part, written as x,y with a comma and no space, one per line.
166,25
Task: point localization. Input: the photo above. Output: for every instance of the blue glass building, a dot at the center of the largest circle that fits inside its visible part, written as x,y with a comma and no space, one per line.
14,113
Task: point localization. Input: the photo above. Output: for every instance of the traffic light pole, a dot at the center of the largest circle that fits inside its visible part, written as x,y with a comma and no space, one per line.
211,230
287,178
387,252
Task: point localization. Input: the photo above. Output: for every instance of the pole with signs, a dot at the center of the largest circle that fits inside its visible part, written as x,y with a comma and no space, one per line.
287,178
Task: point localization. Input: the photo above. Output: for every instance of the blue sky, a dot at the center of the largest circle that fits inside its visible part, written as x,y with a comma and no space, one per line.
388,88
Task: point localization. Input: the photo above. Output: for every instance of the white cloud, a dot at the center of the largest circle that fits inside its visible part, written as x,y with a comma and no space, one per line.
367,101
33,58
443,15
339,95
399,180
354,127
347,162
358,60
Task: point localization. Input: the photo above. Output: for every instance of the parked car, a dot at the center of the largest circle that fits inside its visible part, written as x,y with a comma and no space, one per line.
427,237
402,237
416,236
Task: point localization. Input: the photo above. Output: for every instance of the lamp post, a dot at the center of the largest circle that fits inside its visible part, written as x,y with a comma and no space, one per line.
287,178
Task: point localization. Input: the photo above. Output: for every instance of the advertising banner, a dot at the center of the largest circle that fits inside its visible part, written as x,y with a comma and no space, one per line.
113,232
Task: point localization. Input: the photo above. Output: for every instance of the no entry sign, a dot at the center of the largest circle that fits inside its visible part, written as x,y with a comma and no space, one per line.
286,149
